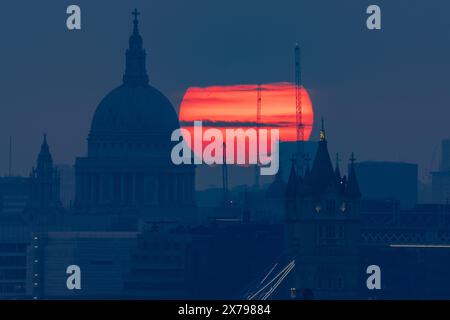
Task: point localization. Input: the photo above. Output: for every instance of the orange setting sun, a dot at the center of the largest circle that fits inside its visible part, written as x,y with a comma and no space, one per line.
235,106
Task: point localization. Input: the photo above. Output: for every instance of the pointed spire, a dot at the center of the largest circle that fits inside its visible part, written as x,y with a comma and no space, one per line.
44,143
44,180
352,158
45,160
45,150
322,136
322,172
135,13
352,185
337,171
291,188
277,189
135,71
307,167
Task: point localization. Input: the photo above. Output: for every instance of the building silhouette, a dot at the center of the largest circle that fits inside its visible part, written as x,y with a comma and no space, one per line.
384,180
44,182
322,228
133,234
14,194
440,183
127,169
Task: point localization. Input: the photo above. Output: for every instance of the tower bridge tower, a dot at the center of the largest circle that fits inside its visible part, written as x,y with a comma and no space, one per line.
322,228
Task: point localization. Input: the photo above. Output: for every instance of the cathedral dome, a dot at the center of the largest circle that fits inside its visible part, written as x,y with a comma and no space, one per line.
134,119
128,167
129,109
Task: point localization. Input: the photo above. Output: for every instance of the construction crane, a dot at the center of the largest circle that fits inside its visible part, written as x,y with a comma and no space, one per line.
298,109
258,125
258,105
225,176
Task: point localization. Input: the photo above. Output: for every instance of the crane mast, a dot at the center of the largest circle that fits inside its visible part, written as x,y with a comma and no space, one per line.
298,109
258,125
225,176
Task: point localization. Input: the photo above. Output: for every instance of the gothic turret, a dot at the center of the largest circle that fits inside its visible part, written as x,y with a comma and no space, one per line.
307,168
45,160
337,171
291,188
44,180
352,185
322,225
322,173
277,188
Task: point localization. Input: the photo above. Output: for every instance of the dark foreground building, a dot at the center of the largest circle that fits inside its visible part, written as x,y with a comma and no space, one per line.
383,180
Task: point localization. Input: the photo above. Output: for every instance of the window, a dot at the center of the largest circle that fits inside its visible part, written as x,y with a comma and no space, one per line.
331,234
13,247
13,261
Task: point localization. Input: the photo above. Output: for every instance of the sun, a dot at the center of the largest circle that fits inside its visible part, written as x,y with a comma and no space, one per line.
235,106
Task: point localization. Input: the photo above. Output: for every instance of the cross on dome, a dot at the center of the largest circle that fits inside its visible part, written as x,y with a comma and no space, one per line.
135,13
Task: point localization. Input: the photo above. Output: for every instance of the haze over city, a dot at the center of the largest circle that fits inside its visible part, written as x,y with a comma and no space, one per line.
384,94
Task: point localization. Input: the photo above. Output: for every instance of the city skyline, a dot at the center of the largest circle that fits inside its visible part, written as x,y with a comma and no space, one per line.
129,221
342,64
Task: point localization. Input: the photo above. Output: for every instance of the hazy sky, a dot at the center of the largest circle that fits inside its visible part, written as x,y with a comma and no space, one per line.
384,94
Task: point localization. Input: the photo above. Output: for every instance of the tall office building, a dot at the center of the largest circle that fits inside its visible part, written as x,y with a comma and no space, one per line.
440,183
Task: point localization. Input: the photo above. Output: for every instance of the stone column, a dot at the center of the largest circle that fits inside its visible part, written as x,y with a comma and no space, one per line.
111,188
133,187
80,188
145,190
103,188
93,188
153,185
86,188
122,188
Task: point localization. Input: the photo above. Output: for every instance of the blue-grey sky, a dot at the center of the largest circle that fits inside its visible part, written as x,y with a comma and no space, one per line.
384,94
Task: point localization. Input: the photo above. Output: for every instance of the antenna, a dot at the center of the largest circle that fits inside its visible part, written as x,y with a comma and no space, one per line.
258,125
298,109
10,156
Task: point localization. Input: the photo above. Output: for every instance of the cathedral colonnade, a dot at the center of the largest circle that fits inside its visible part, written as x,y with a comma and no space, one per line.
134,188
